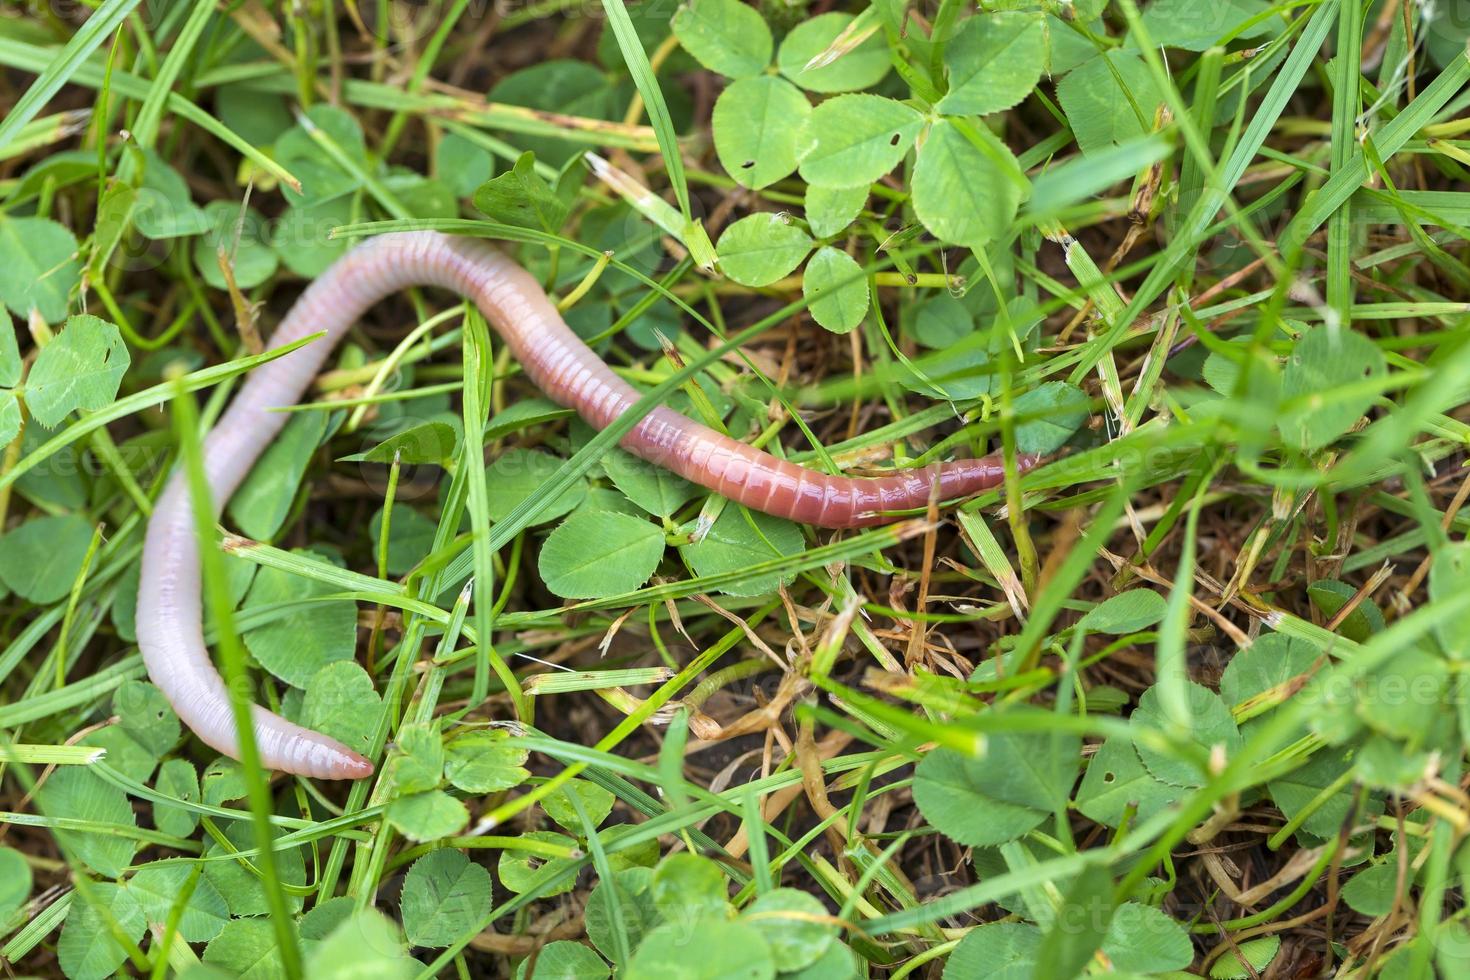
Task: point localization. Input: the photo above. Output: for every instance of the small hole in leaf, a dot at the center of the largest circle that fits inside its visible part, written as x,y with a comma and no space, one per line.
1109,777
894,141
747,165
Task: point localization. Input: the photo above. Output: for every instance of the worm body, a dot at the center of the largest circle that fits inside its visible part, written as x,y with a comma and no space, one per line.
169,621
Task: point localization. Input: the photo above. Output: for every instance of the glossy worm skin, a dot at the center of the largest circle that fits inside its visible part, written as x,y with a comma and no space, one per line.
169,622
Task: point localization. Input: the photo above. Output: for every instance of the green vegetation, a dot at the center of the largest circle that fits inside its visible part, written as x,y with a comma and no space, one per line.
1188,700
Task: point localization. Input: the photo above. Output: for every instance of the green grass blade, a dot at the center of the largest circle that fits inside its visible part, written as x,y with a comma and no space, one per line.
237,680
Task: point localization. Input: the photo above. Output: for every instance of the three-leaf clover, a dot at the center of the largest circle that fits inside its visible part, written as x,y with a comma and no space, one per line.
80,369
966,185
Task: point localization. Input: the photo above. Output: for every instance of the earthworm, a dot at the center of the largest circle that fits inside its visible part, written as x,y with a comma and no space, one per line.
169,621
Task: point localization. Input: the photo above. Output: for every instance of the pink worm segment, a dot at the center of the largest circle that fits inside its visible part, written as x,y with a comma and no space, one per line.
169,621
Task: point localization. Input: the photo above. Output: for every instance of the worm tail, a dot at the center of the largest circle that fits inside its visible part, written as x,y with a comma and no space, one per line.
773,486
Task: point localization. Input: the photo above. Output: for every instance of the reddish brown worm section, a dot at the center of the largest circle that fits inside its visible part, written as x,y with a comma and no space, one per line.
170,628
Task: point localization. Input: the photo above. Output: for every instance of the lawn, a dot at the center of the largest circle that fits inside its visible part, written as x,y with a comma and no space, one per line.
1188,698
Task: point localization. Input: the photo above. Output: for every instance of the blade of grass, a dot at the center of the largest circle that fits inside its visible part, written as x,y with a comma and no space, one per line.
1345,86
631,46
180,50
52,755
479,373
232,666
